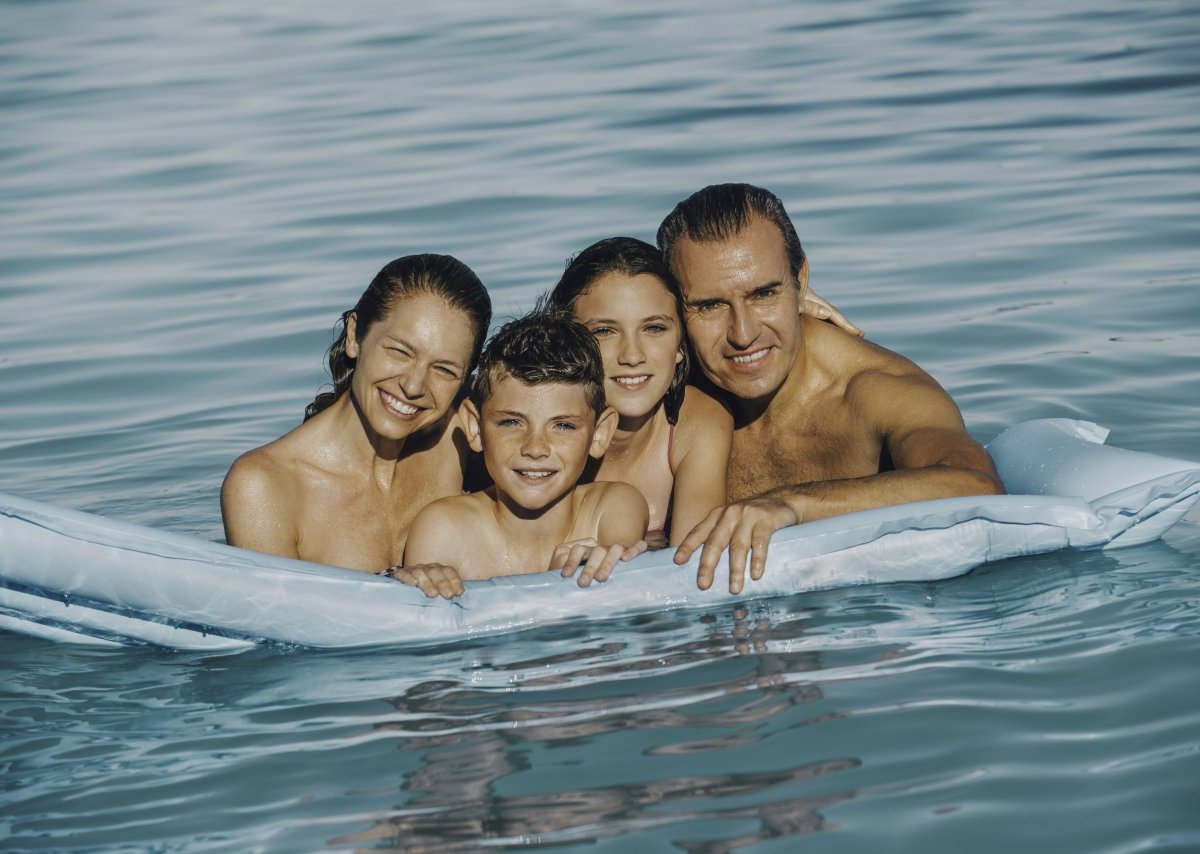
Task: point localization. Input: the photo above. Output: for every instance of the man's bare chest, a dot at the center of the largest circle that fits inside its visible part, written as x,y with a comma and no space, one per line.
774,454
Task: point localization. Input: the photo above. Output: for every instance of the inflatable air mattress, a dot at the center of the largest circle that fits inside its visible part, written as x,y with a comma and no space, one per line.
75,577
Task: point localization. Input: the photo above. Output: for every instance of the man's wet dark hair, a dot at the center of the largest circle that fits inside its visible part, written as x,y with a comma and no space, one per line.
720,211
630,257
544,346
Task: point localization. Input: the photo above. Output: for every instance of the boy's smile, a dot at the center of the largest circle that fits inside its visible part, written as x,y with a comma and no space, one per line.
535,439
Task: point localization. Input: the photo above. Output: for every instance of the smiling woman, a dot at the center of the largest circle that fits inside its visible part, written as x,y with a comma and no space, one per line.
344,486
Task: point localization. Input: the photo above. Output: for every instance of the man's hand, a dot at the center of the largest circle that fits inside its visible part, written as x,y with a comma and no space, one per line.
745,528
598,561
432,579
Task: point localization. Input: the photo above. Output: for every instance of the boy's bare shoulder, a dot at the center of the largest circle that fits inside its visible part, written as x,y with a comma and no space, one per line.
604,492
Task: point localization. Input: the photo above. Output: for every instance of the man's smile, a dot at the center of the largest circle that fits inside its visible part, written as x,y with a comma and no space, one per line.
751,357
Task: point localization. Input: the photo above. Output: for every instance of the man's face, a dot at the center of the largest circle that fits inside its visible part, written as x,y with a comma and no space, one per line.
742,305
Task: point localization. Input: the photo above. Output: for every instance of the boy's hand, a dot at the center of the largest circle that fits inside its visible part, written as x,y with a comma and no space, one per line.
598,561
432,579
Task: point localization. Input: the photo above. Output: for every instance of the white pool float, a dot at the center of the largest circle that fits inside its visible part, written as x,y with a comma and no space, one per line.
71,576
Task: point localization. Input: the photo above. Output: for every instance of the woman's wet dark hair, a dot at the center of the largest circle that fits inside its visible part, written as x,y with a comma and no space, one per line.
440,275
631,257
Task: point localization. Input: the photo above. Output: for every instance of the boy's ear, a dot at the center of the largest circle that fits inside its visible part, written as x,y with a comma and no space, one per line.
351,333
470,419
606,425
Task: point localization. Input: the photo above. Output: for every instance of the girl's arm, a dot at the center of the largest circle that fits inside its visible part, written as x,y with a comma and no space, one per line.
700,459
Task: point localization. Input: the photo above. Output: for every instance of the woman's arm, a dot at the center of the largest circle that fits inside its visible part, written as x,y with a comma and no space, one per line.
815,305
699,459
257,508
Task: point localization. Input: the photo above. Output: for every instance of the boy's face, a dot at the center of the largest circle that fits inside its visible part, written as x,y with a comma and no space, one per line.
536,439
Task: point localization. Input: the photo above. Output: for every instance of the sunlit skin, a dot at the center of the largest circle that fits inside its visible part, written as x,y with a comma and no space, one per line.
344,486
535,441
743,316
635,320
816,410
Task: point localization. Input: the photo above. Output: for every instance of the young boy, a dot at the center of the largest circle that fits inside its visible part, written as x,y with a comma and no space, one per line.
536,412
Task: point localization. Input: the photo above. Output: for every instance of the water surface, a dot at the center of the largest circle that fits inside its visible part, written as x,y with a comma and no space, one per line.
1005,192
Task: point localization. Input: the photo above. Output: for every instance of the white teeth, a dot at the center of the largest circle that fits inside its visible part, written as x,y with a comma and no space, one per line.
749,357
535,473
398,405
632,382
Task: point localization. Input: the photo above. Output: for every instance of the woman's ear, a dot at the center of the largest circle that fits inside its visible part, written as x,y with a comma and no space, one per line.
351,333
470,419
606,425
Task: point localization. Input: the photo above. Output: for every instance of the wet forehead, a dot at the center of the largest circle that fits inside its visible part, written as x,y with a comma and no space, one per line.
754,257
538,401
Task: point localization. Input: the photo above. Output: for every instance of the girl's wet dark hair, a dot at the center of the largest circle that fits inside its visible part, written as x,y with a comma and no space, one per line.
440,275
631,257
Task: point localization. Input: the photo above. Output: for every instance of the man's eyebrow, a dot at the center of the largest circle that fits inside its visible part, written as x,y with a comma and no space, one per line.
763,290
703,303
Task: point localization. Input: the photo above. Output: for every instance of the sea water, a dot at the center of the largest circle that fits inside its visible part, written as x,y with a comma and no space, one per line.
1008,193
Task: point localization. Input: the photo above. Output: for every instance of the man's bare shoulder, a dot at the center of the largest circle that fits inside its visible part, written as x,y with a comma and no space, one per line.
874,378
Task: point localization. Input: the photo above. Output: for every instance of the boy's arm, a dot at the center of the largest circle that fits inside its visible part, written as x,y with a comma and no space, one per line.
621,521
430,539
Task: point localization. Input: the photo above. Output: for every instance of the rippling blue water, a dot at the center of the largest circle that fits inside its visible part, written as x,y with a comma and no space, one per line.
1006,192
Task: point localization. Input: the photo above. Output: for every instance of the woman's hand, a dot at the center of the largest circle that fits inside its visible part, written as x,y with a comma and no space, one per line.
597,561
432,579
817,306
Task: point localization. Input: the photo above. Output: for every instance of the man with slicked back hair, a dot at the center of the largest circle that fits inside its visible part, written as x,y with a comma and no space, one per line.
824,422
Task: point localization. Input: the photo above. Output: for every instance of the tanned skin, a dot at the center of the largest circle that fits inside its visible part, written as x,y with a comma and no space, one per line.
825,423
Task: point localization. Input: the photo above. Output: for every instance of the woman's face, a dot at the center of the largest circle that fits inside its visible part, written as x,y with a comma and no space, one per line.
410,364
637,326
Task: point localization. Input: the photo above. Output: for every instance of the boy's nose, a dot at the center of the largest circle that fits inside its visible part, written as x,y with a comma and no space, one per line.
535,445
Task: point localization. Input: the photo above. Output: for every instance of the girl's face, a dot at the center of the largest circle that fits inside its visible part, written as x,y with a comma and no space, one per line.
410,364
637,326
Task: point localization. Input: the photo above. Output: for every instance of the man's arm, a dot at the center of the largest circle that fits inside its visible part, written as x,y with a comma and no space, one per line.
933,455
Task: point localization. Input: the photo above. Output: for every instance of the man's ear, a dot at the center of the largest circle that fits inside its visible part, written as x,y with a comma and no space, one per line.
606,425
470,419
351,333
802,278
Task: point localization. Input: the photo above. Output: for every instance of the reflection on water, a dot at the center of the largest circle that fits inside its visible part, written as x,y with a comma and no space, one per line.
474,748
